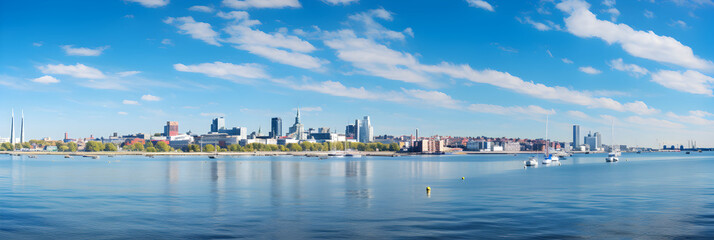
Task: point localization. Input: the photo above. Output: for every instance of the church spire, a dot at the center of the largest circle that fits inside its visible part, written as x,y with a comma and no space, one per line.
297,118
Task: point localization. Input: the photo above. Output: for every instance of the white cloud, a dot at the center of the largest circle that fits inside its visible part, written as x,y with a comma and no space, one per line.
648,14
640,107
548,25
79,70
199,8
47,79
150,98
609,3
577,114
245,4
653,122
633,69
197,30
375,30
167,41
700,113
614,13
480,4
690,81
122,113
567,61
589,70
679,24
130,102
693,118
82,51
214,114
37,44
512,110
237,73
278,47
434,98
128,73
309,109
583,23
151,3
343,2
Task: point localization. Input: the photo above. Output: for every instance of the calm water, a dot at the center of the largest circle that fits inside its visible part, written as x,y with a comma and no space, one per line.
652,195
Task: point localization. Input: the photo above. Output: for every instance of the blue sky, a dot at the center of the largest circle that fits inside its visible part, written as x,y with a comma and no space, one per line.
454,67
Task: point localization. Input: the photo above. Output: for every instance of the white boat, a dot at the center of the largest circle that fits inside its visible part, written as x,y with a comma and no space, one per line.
532,162
548,158
613,155
354,155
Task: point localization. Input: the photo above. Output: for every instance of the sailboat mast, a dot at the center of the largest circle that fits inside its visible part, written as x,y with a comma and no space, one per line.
547,142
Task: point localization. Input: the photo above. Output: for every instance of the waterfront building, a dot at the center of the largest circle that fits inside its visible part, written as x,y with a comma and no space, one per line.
323,130
285,141
358,130
591,140
244,142
350,131
180,141
428,146
576,136
242,132
171,129
12,128
479,145
598,140
511,146
219,139
366,131
218,124
22,127
297,131
276,127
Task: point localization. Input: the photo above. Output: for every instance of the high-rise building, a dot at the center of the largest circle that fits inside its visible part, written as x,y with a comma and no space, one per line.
218,124
22,127
171,129
576,136
12,128
366,131
358,130
297,130
592,141
276,127
350,131
598,139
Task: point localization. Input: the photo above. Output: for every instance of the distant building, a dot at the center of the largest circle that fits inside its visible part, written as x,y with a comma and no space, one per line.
12,129
576,136
511,146
428,146
219,139
350,131
297,131
171,129
218,124
591,140
366,132
276,127
479,145
22,127
180,141
235,131
323,130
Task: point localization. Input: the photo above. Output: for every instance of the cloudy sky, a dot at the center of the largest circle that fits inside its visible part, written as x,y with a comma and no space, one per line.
449,67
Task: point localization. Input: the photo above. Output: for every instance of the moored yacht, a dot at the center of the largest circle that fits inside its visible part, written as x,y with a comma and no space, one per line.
531,162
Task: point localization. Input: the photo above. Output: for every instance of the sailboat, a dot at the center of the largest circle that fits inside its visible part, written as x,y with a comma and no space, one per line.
613,155
548,158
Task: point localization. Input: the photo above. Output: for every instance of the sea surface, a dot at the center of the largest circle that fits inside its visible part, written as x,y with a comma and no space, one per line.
644,196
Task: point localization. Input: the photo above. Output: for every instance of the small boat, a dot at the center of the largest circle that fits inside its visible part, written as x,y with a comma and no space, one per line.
67,156
213,156
686,152
700,150
95,157
638,151
531,162
612,157
322,157
33,156
354,155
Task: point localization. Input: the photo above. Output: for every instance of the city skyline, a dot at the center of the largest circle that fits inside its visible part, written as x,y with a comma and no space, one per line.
450,75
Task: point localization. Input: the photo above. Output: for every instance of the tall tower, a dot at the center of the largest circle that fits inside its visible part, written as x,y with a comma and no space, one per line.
22,127
576,136
12,128
297,117
276,127
366,134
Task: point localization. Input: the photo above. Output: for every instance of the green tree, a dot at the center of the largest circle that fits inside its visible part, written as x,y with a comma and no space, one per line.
194,148
162,146
294,147
72,146
93,146
148,144
283,148
209,148
394,147
26,145
63,148
110,147
151,149
138,147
